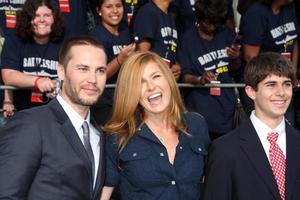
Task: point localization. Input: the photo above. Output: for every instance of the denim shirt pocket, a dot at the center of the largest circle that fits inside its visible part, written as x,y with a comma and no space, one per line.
198,147
196,159
136,164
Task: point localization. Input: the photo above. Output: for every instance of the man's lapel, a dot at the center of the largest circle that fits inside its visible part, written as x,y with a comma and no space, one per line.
71,135
292,160
251,145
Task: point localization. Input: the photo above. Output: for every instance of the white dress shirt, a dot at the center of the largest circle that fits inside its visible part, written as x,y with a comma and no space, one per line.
77,122
263,130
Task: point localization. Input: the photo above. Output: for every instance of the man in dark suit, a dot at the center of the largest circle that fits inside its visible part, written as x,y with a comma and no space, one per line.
260,159
55,151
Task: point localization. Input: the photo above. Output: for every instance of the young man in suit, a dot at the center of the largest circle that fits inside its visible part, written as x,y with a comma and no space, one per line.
260,159
56,151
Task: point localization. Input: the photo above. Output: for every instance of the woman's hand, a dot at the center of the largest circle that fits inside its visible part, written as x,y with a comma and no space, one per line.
125,52
8,109
207,77
176,70
45,84
233,52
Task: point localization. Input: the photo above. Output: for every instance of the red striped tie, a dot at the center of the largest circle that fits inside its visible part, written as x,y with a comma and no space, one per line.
278,164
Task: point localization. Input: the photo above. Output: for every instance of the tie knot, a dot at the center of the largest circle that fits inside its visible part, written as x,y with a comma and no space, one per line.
272,137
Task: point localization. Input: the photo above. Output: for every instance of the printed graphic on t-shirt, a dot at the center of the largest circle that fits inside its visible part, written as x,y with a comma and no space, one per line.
212,56
8,9
117,49
284,34
169,36
131,1
214,61
39,66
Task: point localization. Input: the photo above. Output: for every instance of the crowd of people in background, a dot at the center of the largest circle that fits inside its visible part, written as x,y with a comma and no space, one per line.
191,36
198,40
151,45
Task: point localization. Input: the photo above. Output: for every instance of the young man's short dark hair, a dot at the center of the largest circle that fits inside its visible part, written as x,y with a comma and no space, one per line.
266,64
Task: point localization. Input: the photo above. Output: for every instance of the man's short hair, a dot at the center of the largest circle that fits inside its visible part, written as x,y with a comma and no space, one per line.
64,53
266,64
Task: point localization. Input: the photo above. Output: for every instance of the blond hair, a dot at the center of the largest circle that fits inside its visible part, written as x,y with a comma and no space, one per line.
127,113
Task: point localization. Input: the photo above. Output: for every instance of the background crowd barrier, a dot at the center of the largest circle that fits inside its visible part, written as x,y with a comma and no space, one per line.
180,85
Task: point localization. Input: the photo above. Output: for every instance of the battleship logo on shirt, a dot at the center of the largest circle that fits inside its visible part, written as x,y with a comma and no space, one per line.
168,31
212,56
13,1
284,30
117,49
46,67
220,68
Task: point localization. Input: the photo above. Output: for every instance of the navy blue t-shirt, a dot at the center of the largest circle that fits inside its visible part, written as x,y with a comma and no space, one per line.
75,17
31,59
113,45
297,10
143,171
8,11
153,24
260,27
197,55
185,12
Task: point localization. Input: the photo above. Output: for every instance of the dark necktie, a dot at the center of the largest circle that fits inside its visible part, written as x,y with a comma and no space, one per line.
277,160
87,145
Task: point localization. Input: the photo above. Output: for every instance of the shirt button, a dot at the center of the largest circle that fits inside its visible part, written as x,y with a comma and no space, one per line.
161,154
199,149
180,147
173,182
134,154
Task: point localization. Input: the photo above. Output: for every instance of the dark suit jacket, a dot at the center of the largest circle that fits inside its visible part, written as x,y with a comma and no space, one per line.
238,167
42,157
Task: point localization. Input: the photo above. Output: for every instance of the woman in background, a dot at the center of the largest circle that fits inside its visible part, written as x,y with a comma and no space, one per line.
208,53
118,45
30,58
156,31
269,26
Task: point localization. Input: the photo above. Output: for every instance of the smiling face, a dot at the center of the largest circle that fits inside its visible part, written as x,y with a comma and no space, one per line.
111,12
155,93
84,76
272,97
42,23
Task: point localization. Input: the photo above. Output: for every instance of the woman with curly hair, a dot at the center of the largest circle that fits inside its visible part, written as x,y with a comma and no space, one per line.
30,57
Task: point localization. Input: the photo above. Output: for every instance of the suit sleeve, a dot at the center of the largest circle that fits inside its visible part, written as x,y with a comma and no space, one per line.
20,154
218,175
